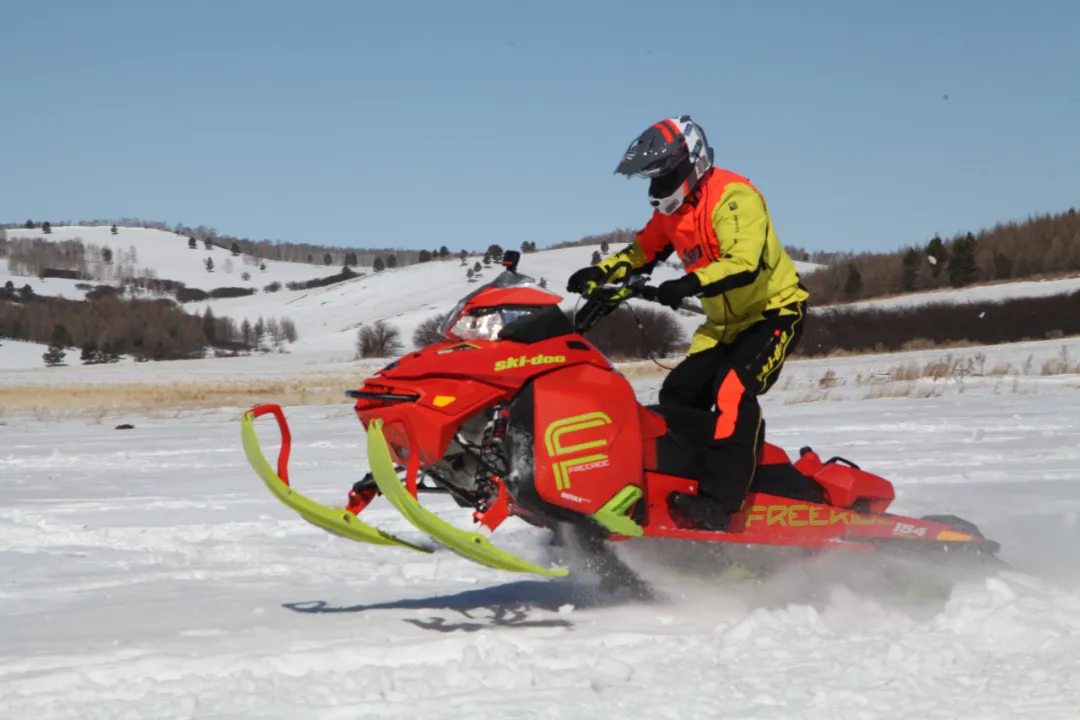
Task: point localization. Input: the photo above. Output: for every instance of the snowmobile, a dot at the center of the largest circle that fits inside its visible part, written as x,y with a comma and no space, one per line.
514,413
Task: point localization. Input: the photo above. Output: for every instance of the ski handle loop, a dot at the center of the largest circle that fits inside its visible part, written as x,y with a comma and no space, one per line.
286,437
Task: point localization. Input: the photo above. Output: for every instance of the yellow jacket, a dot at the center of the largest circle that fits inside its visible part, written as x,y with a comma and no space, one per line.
723,233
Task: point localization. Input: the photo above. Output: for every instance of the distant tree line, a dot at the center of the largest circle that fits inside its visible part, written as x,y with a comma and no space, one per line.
266,249
109,325
1041,246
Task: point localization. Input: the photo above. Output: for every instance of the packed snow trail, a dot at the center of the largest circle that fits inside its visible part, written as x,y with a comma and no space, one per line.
148,573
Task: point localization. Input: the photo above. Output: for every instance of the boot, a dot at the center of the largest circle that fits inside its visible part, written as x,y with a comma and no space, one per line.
700,511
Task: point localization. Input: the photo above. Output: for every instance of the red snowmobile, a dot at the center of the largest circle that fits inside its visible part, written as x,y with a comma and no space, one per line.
514,413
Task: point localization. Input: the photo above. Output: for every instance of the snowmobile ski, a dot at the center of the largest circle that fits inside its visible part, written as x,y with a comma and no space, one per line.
470,545
338,521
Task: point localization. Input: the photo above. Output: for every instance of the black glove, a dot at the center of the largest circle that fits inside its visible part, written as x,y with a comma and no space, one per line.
673,292
578,281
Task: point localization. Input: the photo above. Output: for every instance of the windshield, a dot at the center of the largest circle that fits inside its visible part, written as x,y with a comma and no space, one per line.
487,323
505,279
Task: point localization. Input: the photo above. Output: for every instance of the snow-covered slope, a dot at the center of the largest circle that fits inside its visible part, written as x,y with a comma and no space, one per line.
149,574
326,317
167,255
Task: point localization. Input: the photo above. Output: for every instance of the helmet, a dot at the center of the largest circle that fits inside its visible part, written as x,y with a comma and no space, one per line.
674,154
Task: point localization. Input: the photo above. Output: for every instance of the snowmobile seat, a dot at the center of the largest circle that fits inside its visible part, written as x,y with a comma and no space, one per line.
681,449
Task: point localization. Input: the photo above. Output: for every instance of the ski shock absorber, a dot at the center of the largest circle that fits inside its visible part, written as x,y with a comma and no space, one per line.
493,466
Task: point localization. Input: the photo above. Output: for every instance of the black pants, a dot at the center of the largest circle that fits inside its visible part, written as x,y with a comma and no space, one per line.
726,380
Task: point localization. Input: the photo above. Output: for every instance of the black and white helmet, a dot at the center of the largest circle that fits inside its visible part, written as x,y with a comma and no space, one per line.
674,154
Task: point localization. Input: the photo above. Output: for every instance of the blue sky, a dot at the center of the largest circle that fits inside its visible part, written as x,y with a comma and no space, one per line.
418,124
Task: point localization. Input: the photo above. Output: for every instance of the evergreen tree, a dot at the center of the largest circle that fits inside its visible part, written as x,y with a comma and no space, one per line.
54,355
207,244
1002,266
425,256
109,353
192,243
46,227
89,354
477,267
444,252
962,269
235,249
209,326
604,246
936,251
378,265
909,273
853,284
391,261
209,264
596,257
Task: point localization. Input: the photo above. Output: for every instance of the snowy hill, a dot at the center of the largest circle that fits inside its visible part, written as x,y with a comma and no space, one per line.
163,255
327,317
405,297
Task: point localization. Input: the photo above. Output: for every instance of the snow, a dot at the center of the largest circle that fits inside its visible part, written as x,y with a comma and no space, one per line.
147,573
167,255
327,318
21,354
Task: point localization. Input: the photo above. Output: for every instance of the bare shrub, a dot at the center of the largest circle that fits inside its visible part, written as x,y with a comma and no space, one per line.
940,325
345,274
379,339
904,390
1063,364
427,332
938,369
918,343
619,337
288,328
827,380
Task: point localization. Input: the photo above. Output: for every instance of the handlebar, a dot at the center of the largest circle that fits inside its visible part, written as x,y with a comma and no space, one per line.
605,298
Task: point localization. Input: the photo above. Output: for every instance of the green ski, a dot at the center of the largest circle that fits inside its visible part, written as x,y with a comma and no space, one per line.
469,545
338,521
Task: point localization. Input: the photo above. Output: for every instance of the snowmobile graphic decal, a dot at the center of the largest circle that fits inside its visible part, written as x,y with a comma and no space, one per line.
513,363
553,436
802,515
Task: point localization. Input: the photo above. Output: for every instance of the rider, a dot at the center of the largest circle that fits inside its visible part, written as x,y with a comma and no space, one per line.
719,225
